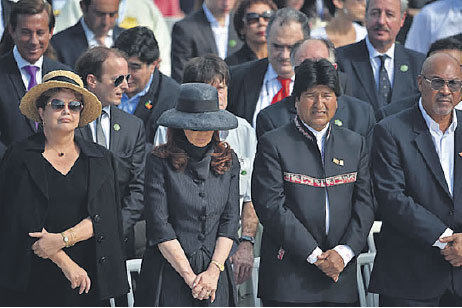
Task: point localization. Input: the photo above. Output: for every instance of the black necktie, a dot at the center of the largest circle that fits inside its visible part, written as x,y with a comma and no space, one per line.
384,83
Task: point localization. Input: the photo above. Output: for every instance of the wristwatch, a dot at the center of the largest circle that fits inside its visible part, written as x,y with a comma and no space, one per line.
66,239
246,238
220,266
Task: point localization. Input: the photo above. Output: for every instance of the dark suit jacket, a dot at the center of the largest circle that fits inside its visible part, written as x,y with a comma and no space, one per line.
397,106
351,113
245,87
6,9
161,96
245,54
24,210
69,44
13,125
353,59
128,146
193,37
416,208
289,184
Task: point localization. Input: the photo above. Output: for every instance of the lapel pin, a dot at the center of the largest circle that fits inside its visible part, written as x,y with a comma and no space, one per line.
232,43
404,68
338,122
281,253
116,127
148,105
338,161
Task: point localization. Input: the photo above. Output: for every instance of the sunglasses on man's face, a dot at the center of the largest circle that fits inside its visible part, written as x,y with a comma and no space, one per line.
58,105
253,18
437,83
118,81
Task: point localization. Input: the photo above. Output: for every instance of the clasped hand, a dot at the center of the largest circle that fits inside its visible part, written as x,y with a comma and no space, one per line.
48,244
453,250
331,264
204,285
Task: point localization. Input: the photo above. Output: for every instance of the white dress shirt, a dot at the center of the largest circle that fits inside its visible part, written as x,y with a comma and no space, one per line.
343,250
21,62
105,124
444,146
270,87
375,62
91,39
435,21
219,33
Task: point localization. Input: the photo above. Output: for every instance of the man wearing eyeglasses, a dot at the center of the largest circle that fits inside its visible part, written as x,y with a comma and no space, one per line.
104,72
417,172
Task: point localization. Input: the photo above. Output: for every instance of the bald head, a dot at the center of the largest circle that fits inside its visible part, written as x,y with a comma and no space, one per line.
313,49
440,61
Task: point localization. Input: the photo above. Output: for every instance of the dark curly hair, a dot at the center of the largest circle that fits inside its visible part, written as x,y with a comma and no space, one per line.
221,156
241,10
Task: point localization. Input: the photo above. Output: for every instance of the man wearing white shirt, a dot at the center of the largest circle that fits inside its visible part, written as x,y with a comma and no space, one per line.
416,166
379,70
30,26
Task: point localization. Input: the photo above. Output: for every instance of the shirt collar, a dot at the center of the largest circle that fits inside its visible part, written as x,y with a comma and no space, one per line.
211,19
139,94
108,110
271,74
320,135
373,53
89,34
22,62
432,125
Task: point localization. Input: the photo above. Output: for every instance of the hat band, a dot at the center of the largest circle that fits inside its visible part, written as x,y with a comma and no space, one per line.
64,79
196,106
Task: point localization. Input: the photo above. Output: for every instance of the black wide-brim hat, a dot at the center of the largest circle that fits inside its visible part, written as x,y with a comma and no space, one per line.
197,109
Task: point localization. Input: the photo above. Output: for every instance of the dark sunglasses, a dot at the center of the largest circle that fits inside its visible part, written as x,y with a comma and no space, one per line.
253,18
120,79
58,105
454,85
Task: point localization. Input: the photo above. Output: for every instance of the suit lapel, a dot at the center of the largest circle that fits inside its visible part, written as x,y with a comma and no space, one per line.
401,71
252,87
142,111
363,70
427,149
115,129
207,31
457,176
34,163
84,132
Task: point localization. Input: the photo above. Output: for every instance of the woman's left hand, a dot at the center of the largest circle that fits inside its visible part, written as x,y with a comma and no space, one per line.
205,284
47,244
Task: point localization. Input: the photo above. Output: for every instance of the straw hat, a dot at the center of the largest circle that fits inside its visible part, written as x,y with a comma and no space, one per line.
61,79
197,109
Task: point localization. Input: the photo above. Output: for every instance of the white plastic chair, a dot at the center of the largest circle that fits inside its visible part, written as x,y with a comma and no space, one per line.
370,239
256,266
363,276
133,265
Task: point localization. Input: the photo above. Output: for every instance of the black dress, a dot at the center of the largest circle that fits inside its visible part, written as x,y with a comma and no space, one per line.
67,207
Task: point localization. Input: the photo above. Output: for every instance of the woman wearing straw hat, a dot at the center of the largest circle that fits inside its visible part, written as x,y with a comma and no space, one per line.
60,223
191,206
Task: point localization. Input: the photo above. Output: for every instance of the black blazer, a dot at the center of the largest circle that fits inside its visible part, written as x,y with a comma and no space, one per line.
245,87
351,113
353,59
289,184
13,125
24,210
245,54
397,106
6,9
193,37
161,97
127,143
416,208
70,43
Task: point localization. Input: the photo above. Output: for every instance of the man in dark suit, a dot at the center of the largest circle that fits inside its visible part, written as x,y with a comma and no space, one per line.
417,172
257,84
311,190
351,112
208,30
31,27
96,28
449,45
379,70
149,92
104,72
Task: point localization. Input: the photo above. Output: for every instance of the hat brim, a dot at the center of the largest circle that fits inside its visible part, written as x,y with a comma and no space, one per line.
91,105
203,121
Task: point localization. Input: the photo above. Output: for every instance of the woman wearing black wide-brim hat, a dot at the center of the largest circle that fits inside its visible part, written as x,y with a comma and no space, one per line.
192,206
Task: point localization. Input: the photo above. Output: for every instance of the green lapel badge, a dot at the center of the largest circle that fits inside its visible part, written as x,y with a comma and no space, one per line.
232,43
338,122
116,127
404,68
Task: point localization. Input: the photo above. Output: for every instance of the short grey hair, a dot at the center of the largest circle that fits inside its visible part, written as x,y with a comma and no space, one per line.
287,15
403,3
329,45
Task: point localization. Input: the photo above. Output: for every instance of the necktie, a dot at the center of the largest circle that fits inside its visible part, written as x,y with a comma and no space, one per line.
32,71
100,137
284,91
384,83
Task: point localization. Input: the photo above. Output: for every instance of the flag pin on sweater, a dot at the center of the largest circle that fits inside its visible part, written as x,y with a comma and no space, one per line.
338,161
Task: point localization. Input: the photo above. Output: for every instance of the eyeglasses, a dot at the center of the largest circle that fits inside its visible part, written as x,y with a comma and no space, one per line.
58,105
120,79
253,18
454,85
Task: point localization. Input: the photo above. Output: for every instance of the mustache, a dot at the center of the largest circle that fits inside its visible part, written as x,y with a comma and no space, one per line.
381,29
